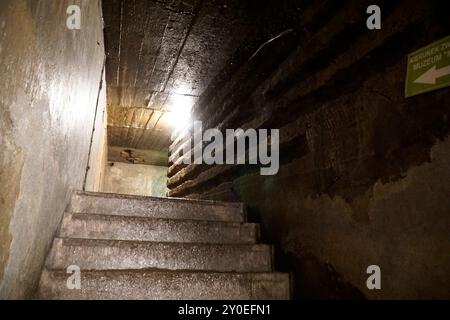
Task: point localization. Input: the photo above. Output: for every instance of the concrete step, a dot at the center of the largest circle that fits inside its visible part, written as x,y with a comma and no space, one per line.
170,285
113,254
98,226
169,208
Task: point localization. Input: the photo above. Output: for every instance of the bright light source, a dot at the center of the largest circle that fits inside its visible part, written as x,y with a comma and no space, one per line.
179,114
178,120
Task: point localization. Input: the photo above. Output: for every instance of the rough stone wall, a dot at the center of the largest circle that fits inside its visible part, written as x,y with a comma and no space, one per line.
48,95
364,172
137,179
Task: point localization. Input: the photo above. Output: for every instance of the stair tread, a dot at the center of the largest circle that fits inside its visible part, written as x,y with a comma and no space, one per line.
146,271
114,242
169,199
119,217
166,284
99,226
171,208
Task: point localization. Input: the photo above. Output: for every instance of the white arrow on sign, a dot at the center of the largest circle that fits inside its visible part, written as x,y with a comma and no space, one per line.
431,75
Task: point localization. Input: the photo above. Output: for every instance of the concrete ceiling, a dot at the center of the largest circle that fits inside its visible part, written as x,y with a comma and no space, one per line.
162,54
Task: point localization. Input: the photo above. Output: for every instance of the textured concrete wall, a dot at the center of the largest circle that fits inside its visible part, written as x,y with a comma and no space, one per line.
136,179
364,172
48,95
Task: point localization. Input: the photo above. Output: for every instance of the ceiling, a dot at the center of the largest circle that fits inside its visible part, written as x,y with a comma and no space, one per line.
161,56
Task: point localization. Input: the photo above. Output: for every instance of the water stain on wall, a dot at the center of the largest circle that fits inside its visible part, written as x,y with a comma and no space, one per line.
15,20
11,162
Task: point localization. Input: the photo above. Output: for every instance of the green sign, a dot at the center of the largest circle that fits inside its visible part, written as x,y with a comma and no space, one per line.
428,68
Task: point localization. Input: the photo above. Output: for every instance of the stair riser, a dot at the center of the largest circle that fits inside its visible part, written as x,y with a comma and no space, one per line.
248,258
162,285
126,228
156,208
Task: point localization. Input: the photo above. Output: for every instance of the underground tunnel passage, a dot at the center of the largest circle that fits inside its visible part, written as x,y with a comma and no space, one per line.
224,149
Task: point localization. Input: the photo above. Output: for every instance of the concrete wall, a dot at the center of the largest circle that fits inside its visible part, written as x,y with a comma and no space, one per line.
364,175
48,94
138,179
98,155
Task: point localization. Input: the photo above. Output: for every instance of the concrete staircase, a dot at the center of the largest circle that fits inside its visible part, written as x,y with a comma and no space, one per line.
130,247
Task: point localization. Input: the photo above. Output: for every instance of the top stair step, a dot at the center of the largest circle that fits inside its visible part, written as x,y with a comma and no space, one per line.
154,207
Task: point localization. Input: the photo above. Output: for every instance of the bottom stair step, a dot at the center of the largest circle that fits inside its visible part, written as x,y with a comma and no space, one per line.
162,284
